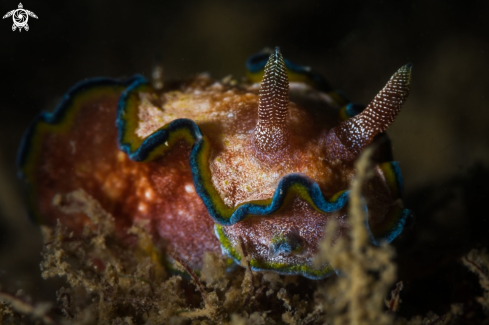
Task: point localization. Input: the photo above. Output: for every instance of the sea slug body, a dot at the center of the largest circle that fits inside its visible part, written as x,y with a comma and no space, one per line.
211,166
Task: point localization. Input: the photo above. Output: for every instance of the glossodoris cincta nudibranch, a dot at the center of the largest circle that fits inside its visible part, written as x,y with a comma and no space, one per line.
261,165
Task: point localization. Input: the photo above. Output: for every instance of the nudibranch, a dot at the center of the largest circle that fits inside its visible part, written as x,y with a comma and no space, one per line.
220,166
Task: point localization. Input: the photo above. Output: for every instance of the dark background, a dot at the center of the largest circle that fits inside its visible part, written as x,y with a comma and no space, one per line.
440,138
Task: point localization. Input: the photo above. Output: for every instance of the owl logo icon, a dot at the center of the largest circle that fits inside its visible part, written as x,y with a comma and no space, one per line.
20,17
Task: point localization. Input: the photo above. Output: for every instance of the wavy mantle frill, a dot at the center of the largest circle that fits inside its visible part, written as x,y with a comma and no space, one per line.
159,142
289,186
56,122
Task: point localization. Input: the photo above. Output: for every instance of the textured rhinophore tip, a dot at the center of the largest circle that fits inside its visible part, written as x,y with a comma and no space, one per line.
359,131
271,132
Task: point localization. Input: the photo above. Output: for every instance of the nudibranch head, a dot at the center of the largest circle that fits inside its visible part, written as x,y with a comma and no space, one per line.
208,164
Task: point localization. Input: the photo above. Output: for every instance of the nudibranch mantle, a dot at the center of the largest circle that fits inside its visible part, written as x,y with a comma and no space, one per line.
212,164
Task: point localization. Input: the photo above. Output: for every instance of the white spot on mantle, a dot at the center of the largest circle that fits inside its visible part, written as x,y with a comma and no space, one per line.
189,188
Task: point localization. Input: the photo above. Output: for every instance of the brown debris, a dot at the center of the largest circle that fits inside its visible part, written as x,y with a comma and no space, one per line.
478,262
394,303
14,306
213,272
249,274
